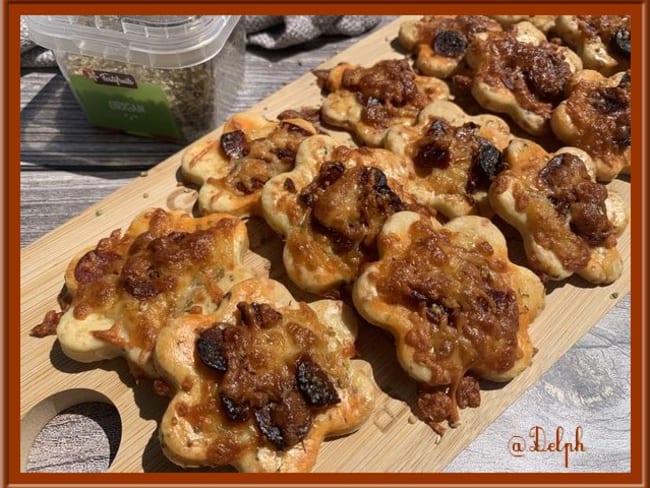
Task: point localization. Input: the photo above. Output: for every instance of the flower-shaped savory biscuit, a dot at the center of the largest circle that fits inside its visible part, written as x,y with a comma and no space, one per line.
455,305
439,42
457,154
602,41
366,101
519,73
232,170
119,295
543,22
569,223
259,383
596,117
331,206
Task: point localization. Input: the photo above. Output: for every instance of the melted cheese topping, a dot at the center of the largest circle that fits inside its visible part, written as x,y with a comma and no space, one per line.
128,287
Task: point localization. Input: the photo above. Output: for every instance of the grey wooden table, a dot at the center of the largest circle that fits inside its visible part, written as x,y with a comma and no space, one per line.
67,165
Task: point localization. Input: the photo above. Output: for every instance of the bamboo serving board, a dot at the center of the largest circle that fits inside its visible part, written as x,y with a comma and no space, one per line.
50,382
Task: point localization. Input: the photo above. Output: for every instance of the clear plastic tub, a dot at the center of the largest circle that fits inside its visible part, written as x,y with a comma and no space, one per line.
169,77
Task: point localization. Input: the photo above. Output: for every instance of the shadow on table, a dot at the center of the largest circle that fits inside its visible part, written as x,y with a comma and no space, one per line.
55,133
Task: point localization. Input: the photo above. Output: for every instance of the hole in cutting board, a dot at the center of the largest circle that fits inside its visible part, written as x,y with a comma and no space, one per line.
53,431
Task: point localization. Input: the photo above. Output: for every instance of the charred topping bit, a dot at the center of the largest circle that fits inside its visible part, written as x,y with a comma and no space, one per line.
329,172
489,159
438,128
284,423
260,315
248,185
234,144
48,326
450,43
210,346
432,155
574,194
621,42
314,384
266,426
235,411
285,154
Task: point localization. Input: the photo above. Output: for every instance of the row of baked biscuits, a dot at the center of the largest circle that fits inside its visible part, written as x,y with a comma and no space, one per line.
536,76
449,162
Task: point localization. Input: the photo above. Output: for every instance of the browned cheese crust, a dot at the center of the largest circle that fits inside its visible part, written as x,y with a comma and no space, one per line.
232,168
519,73
331,206
121,293
602,41
596,117
456,154
259,383
455,304
569,223
366,101
439,42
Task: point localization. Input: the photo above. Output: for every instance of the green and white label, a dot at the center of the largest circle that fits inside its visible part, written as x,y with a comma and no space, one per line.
117,101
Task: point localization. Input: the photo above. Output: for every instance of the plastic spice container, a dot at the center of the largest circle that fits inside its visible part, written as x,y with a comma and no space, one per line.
169,77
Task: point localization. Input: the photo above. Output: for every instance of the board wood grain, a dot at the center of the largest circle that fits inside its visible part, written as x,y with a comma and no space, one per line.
50,382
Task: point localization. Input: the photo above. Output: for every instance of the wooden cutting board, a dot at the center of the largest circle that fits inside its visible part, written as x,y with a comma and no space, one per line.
50,382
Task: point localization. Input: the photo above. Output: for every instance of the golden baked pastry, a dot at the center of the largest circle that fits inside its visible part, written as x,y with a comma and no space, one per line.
455,304
545,23
602,41
231,170
596,117
260,382
366,101
457,155
439,42
519,73
331,206
120,294
569,223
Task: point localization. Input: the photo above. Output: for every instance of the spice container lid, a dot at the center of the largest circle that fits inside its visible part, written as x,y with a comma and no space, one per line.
156,41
